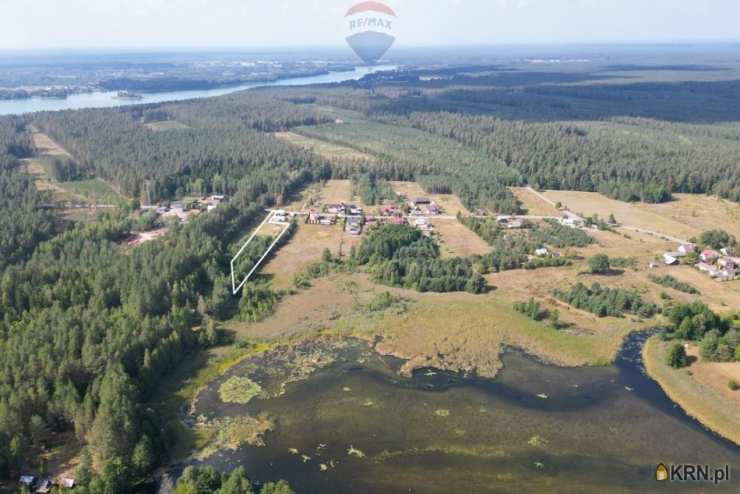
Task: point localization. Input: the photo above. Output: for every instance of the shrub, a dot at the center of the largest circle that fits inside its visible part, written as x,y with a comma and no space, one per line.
676,356
599,264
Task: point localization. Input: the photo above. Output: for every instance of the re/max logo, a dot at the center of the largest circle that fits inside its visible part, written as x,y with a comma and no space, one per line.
698,473
370,22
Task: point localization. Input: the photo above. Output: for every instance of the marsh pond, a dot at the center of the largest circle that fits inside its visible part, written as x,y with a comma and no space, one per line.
333,416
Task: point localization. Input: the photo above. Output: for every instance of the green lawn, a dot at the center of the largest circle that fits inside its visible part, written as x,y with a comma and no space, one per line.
95,190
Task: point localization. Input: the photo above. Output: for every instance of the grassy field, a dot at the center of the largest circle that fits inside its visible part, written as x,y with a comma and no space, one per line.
699,212
458,240
534,205
697,389
323,148
450,331
93,191
686,217
166,125
90,191
403,144
306,246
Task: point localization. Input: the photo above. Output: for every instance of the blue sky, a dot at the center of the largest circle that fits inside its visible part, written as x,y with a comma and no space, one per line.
34,24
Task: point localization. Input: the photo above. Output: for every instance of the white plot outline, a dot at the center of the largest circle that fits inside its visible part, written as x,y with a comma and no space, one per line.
235,289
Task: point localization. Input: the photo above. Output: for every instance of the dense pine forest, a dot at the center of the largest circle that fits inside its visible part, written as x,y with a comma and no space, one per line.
224,137
86,330
632,142
23,221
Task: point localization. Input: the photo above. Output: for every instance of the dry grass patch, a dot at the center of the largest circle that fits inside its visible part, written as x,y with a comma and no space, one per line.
699,212
458,240
696,389
307,312
336,191
534,204
46,146
306,246
456,331
166,125
719,296
590,203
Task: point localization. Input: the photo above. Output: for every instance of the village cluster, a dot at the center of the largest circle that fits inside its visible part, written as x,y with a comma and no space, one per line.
721,265
184,212
43,486
416,213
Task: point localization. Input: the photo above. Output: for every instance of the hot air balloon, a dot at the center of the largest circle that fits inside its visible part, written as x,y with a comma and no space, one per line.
370,30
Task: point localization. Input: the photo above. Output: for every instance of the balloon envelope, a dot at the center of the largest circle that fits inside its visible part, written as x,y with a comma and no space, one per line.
370,46
370,32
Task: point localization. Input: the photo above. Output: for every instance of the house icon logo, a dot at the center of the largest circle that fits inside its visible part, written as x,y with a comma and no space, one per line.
661,473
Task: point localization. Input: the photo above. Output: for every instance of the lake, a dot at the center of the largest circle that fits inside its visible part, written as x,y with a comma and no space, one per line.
109,99
357,426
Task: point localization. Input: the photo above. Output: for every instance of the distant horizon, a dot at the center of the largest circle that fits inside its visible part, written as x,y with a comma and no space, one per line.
342,46
334,49
285,24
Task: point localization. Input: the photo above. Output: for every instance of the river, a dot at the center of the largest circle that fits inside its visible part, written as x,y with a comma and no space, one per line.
109,99
535,428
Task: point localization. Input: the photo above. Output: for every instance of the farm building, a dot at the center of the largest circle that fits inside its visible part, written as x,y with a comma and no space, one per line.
27,480
315,218
686,248
541,252
280,217
422,201
44,487
336,208
709,255
511,223
354,225
726,263
571,222
670,260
